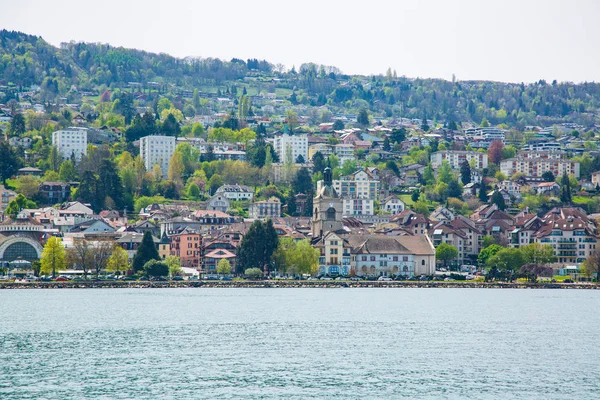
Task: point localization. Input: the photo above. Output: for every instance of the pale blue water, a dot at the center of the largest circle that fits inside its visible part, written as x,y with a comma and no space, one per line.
299,343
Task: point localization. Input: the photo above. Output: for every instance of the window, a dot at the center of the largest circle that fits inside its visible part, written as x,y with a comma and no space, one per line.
422,262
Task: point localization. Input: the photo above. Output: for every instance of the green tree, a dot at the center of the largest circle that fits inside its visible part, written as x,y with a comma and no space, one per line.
118,261
9,161
363,117
386,144
338,125
537,253
428,176
193,191
565,189
485,123
156,269
591,266
176,168
445,173
302,182
548,176
465,172
17,125
488,241
215,182
17,204
224,267
53,256
507,260
488,252
257,245
498,200
445,253
67,171
28,186
174,264
170,126
146,251
483,192
415,195
318,162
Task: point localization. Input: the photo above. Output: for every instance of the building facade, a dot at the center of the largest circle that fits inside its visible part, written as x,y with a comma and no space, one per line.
456,158
157,150
537,166
265,209
71,142
297,145
236,192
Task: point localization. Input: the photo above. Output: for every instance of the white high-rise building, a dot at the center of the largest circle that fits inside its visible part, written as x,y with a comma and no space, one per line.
298,145
157,150
71,141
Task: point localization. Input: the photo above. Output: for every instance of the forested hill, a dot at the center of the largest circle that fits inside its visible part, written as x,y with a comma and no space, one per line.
27,60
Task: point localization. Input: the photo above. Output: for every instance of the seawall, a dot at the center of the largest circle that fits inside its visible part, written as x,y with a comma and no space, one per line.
290,284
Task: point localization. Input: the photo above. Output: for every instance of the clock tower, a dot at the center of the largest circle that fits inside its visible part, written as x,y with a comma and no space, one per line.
327,213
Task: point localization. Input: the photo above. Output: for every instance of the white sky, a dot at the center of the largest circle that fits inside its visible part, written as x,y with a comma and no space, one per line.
510,40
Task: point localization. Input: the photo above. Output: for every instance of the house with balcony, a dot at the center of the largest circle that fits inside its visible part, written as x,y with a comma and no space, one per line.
186,245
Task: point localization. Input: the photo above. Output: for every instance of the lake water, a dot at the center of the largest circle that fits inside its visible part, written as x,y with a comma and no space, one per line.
299,343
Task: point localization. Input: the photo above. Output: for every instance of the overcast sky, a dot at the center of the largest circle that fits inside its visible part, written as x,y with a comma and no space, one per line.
510,40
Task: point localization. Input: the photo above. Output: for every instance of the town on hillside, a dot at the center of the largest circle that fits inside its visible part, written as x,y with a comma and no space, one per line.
215,170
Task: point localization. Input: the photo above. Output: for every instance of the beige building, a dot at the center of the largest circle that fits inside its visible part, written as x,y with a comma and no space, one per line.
267,208
536,167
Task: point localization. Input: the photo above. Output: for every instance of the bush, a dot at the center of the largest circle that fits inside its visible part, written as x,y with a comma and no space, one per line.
253,272
154,268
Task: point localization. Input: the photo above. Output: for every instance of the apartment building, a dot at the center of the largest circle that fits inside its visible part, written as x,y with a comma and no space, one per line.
341,150
297,145
71,142
267,208
537,166
358,192
456,158
157,150
187,245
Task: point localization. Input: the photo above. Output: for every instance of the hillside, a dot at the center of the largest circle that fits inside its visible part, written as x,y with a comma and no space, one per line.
27,60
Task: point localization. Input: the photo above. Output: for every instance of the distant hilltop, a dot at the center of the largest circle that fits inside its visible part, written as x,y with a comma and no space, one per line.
27,60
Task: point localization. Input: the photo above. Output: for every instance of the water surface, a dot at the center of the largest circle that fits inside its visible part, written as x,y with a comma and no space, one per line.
299,343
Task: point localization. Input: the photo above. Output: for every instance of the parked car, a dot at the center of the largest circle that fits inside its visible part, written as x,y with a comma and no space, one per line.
177,278
61,279
326,278
384,278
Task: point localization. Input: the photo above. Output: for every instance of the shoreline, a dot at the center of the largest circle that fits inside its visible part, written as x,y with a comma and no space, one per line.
289,284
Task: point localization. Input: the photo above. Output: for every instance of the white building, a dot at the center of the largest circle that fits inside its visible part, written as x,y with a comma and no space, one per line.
157,150
71,141
358,192
341,150
456,158
393,205
236,192
298,144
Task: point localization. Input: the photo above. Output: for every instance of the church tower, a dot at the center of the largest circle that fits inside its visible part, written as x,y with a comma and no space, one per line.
327,213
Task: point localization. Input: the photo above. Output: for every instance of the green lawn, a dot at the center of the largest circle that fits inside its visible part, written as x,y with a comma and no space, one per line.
582,199
406,199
